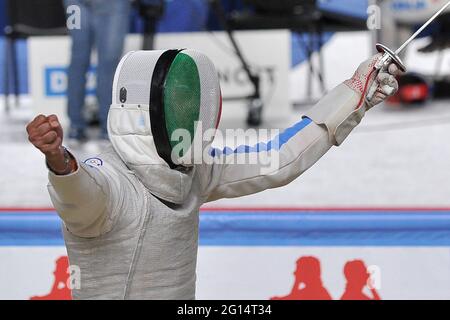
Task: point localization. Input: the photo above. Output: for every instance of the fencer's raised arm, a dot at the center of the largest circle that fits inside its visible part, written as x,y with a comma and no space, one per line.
295,150
80,192
88,199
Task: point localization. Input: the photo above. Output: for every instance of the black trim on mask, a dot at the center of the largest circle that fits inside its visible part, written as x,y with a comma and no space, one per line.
157,116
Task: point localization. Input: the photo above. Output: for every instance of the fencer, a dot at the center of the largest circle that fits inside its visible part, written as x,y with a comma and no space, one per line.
131,214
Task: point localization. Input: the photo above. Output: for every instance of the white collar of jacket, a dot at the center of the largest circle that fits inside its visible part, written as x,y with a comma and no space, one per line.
130,134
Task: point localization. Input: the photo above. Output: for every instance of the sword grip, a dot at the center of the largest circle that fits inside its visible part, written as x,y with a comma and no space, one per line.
372,90
381,65
374,86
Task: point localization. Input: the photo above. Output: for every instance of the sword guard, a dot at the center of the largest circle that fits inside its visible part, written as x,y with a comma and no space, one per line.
388,57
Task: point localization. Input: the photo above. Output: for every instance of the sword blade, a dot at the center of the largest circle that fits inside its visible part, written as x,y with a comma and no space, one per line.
437,14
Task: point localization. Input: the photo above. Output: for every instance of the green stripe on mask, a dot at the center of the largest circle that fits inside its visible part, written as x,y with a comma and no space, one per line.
182,96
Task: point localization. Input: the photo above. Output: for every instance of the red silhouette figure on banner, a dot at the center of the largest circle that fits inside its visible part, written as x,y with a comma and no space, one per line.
308,282
59,290
357,280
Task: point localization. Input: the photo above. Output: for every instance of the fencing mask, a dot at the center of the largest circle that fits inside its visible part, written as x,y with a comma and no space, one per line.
163,102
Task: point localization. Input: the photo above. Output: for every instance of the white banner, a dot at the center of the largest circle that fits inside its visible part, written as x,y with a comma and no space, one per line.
268,53
260,273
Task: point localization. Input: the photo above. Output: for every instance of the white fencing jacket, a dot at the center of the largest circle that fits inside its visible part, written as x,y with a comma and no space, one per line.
131,244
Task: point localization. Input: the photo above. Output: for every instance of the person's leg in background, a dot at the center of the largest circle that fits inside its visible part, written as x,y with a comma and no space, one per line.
82,40
111,25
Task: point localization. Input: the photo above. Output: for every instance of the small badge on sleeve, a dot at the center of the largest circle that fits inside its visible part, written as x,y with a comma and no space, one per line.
94,162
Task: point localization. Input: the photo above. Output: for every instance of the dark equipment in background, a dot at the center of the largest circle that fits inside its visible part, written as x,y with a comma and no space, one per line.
28,18
150,11
413,89
441,89
440,41
440,37
299,16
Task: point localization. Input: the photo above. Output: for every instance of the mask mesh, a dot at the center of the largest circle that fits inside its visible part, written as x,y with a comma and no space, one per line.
182,96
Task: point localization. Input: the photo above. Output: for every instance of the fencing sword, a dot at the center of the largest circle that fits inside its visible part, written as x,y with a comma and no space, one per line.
390,56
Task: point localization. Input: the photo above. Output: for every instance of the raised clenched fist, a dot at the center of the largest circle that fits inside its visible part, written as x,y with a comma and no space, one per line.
46,134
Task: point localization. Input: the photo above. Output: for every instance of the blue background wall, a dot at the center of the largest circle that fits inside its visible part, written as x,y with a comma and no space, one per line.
192,15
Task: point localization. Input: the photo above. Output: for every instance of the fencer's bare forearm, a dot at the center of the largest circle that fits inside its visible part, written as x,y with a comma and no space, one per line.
56,161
